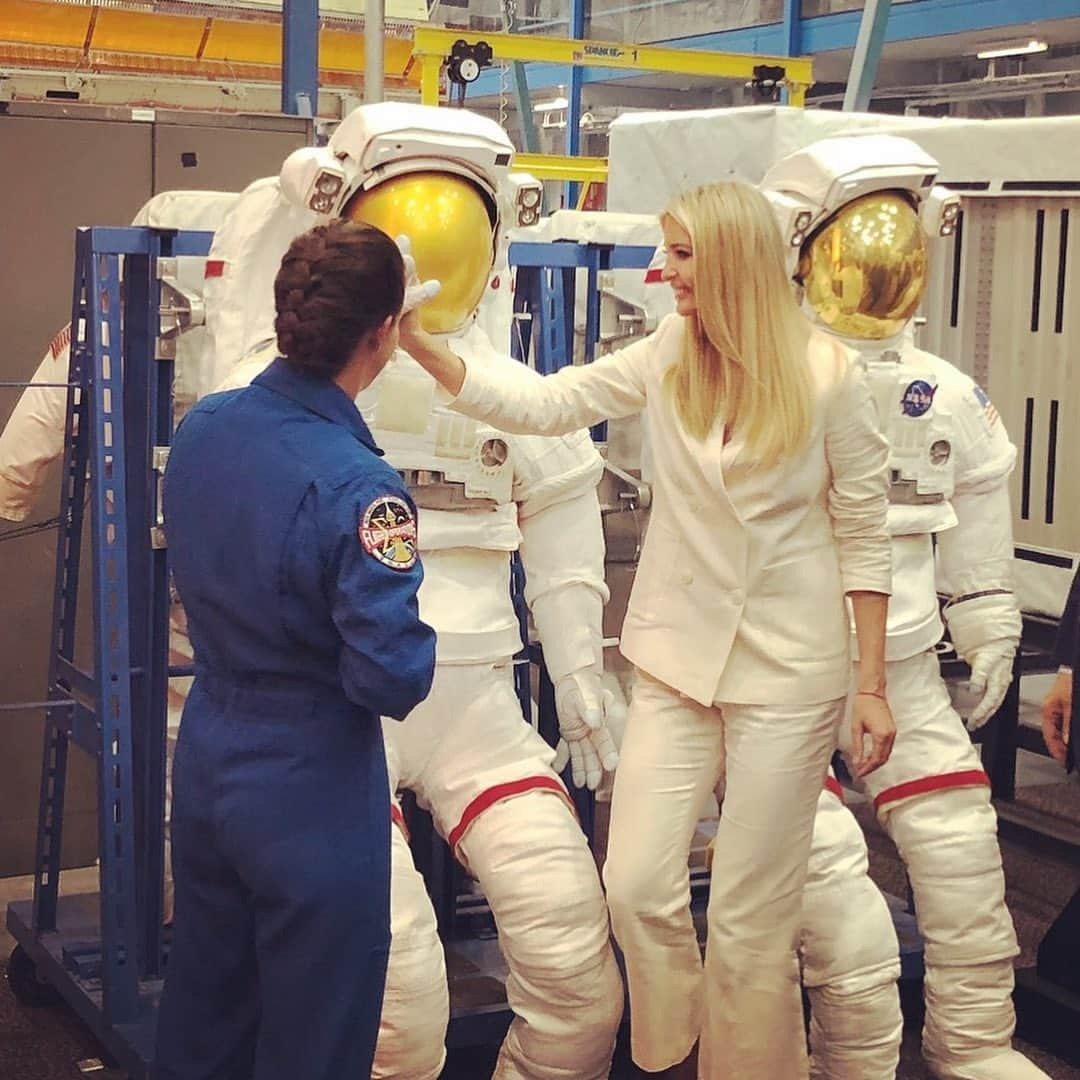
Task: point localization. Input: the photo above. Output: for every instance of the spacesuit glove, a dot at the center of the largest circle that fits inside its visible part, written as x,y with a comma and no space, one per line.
581,703
417,292
991,674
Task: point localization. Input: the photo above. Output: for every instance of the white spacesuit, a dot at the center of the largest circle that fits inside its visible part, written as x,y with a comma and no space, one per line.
856,213
441,177
34,435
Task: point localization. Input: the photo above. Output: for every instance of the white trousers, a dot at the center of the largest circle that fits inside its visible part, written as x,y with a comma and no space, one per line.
486,777
933,799
745,1003
855,1019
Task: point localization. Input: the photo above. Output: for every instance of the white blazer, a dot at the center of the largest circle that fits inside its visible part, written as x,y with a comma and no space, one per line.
739,596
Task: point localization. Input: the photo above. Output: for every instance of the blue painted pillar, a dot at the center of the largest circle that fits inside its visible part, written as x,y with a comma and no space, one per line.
792,29
864,60
300,57
573,97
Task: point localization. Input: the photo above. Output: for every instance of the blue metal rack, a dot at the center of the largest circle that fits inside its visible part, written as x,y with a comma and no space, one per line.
545,302
544,294
104,952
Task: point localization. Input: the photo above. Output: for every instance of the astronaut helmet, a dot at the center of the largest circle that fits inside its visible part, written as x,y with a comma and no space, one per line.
440,176
856,214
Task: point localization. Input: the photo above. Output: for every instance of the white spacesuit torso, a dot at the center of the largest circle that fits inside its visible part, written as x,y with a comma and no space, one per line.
944,437
468,481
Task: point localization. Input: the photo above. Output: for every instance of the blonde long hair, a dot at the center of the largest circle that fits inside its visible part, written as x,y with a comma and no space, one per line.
744,350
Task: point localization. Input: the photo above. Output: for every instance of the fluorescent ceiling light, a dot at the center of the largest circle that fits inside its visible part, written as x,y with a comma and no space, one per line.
1013,50
548,106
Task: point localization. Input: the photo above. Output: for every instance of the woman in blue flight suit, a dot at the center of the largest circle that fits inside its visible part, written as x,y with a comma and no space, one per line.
293,548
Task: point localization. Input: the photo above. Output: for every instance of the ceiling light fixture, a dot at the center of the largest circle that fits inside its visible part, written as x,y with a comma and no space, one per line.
1014,50
550,106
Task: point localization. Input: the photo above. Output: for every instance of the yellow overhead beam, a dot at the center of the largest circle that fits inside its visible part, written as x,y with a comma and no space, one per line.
98,38
563,167
431,46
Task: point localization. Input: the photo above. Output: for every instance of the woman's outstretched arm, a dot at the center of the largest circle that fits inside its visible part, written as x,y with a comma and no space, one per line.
514,398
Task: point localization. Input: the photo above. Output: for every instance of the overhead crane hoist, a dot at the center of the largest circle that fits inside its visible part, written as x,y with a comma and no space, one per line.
464,56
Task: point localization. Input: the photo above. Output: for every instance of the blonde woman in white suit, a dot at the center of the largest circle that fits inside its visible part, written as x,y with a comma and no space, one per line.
769,508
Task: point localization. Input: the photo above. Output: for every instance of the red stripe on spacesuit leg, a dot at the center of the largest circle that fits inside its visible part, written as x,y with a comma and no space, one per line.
504,791
398,818
833,785
966,778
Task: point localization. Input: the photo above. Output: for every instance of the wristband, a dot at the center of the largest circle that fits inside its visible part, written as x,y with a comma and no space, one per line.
872,693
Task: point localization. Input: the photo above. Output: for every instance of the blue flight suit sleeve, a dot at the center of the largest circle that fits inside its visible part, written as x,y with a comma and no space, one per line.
372,575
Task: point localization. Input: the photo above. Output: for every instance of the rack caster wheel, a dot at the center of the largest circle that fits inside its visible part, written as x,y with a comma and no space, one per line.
29,989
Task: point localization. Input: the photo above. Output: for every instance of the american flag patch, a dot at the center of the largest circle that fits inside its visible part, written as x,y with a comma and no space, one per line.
60,342
989,411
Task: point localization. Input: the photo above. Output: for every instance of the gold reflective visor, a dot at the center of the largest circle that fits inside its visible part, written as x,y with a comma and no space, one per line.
865,272
446,218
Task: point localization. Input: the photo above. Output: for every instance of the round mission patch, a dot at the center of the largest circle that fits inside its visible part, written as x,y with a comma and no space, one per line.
388,532
917,398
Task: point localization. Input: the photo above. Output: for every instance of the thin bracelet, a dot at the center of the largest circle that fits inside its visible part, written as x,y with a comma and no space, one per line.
871,693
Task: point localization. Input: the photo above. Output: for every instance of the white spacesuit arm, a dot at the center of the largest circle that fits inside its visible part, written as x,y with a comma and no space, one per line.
985,455
563,553
33,437
562,547
974,558
518,399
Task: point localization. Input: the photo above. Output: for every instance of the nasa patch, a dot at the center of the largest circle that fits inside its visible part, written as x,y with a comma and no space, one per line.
388,532
917,398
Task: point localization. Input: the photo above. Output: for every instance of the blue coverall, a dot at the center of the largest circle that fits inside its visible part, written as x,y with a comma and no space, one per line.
293,548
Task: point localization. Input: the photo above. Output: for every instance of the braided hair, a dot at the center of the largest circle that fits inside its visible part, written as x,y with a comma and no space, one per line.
337,283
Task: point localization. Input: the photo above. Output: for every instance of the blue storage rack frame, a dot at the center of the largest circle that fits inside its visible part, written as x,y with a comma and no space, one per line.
104,953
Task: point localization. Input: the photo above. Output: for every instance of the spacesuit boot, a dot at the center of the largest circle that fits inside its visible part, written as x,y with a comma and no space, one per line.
855,1019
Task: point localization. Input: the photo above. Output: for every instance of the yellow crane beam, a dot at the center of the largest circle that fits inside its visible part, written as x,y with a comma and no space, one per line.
95,38
432,46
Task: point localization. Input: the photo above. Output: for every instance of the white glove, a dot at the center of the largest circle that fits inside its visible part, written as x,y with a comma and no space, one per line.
991,675
986,633
581,703
417,292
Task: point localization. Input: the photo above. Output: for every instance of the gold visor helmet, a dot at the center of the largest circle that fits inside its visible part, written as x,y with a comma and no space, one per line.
448,220
864,273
